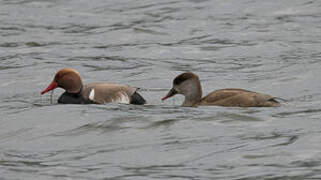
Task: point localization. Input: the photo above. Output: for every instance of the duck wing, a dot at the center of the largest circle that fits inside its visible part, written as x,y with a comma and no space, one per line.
238,98
102,93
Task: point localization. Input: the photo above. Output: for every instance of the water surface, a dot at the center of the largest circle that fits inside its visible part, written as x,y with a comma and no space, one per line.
266,46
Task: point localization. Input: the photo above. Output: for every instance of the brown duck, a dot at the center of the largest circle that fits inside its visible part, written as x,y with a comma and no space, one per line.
188,84
93,93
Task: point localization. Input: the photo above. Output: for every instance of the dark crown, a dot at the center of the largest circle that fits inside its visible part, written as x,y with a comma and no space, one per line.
183,77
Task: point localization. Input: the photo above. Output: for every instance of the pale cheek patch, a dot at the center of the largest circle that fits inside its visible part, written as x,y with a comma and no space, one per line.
92,94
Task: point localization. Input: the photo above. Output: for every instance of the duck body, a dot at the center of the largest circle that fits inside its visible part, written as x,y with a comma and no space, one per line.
188,84
93,93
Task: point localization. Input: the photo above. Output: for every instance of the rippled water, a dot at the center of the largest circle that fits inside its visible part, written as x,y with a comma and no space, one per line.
266,46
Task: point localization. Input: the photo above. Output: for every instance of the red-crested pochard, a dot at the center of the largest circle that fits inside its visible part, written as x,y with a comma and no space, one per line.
188,84
93,93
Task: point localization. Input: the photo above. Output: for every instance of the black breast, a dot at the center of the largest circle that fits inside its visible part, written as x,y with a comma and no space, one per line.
73,98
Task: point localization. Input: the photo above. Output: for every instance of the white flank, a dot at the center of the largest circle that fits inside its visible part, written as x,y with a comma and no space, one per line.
92,94
123,98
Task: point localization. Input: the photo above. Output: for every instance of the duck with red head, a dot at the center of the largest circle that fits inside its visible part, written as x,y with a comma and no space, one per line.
93,93
188,84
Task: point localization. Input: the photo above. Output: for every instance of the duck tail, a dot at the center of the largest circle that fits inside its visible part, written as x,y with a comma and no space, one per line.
280,99
137,99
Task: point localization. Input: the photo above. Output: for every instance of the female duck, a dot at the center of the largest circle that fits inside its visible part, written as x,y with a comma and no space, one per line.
188,84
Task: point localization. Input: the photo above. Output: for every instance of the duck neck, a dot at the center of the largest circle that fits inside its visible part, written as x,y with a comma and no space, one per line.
76,93
193,94
188,103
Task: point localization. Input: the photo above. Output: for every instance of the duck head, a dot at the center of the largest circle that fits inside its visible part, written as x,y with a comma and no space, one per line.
67,79
187,84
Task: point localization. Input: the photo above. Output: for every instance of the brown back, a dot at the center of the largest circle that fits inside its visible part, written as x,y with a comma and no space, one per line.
238,98
109,92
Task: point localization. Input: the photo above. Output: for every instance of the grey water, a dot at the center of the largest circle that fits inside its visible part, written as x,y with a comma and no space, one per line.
271,46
